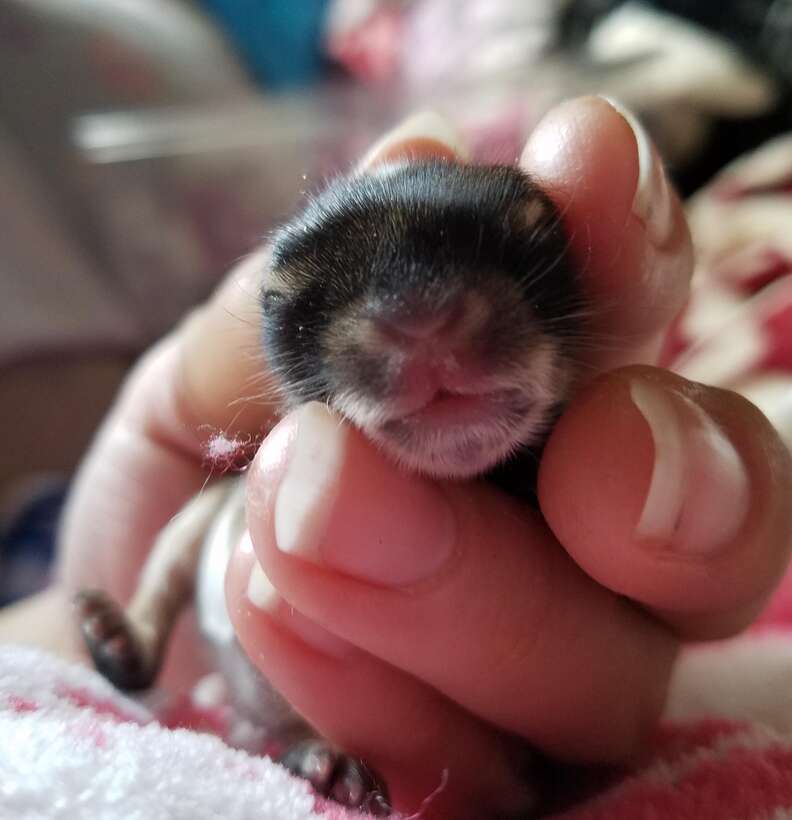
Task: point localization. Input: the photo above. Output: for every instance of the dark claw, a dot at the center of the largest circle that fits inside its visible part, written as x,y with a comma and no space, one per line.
346,780
357,786
111,642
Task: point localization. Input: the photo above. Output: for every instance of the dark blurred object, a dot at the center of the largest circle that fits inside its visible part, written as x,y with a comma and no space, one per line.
758,32
279,42
27,538
761,29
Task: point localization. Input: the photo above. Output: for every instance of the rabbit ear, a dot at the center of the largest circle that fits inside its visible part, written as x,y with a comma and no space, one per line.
425,135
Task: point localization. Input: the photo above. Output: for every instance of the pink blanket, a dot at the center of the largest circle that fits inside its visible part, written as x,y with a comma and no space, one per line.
71,747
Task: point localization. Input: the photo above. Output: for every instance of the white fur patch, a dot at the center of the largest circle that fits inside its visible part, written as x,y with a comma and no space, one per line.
464,451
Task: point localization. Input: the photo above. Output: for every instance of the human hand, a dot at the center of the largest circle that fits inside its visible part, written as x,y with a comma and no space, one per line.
438,632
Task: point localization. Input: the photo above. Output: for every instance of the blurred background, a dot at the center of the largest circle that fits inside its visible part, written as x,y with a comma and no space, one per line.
146,145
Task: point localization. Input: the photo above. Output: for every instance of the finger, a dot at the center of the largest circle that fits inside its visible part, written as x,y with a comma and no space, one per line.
692,517
422,136
625,222
149,455
400,727
458,586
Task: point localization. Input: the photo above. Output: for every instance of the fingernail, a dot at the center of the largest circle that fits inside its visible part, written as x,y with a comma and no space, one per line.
260,591
263,595
652,202
374,522
423,134
309,485
698,493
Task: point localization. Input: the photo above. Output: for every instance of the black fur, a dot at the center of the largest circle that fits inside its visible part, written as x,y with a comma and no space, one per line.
411,238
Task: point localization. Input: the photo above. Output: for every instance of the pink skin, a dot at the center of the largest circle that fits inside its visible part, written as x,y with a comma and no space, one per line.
561,634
